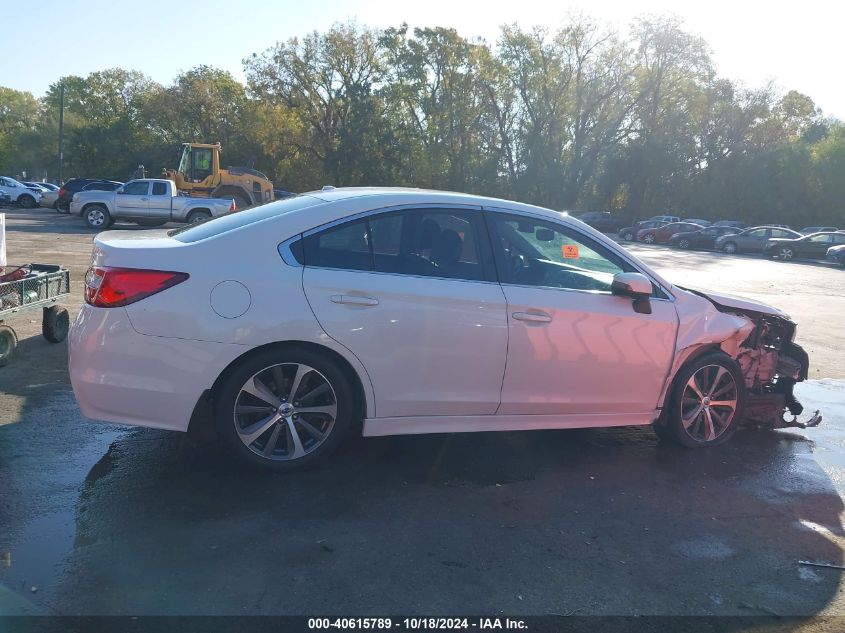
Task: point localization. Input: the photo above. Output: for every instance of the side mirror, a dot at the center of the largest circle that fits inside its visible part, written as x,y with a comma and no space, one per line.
634,285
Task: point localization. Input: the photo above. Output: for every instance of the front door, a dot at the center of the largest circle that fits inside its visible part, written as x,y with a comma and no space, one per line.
574,347
133,198
413,295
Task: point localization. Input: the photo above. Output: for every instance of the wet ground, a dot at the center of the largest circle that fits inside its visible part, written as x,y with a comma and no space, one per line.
97,519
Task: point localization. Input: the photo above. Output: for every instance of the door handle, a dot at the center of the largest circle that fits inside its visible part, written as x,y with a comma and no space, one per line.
353,300
145,199
532,317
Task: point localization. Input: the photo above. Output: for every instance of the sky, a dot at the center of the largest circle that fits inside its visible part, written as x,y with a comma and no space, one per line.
798,45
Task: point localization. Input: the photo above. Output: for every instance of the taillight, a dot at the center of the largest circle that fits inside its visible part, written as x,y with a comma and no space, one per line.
115,287
233,207
62,192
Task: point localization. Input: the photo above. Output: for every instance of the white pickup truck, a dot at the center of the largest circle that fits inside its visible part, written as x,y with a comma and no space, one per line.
148,202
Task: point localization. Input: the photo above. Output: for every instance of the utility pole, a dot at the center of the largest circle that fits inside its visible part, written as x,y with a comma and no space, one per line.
61,129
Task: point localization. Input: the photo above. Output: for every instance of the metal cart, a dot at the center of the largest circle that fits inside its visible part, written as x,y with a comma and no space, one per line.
39,286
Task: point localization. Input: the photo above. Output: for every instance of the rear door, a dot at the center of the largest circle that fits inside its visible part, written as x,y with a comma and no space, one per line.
133,199
575,348
160,201
412,293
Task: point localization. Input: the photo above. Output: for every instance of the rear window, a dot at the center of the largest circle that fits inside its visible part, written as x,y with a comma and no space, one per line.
232,221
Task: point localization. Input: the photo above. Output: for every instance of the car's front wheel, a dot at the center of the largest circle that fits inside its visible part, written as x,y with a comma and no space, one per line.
684,243
97,217
284,409
730,248
628,236
26,201
707,402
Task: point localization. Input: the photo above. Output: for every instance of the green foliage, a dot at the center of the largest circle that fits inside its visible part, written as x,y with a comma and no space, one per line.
582,117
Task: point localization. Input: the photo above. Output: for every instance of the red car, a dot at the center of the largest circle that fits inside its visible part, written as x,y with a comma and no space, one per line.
664,233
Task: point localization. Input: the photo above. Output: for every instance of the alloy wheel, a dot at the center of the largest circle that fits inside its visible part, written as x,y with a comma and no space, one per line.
730,248
684,243
786,253
96,217
648,238
709,402
285,411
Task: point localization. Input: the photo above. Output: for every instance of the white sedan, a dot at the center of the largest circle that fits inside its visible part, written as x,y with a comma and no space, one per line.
395,311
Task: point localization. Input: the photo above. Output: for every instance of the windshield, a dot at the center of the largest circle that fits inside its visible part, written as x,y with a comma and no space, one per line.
185,161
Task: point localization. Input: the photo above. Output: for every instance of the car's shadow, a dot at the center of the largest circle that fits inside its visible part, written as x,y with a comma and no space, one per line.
594,522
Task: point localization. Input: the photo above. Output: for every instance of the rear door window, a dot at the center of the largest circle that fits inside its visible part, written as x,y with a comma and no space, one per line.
159,189
442,243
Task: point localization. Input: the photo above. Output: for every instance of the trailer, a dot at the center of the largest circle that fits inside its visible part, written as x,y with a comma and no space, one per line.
33,287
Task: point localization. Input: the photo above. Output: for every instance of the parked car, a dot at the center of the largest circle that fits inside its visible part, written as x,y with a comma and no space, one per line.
629,233
600,220
666,218
75,185
50,186
48,196
752,240
807,230
836,254
287,339
702,238
699,221
19,193
734,223
662,234
148,202
813,246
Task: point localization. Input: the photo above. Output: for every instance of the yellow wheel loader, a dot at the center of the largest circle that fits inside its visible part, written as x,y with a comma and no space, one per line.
199,175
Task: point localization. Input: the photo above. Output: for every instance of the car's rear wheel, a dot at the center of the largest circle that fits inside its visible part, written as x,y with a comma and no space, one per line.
786,253
707,401
628,236
198,216
648,238
97,217
684,243
730,248
284,409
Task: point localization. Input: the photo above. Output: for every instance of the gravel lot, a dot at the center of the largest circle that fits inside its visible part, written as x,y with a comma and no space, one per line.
106,520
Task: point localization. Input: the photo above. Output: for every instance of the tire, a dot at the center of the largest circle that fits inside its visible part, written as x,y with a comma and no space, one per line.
236,408
715,424
628,236
97,217
55,323
198,216
56,207
8,343
730,248
684,244
648,238
786,253
26,201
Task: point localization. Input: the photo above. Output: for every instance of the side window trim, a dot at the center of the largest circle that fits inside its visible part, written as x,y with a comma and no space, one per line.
660,292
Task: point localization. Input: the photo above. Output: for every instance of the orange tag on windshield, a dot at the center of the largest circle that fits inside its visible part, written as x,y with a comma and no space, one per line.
570,251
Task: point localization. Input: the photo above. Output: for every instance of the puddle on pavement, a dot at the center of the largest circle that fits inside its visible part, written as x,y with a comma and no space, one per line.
38,556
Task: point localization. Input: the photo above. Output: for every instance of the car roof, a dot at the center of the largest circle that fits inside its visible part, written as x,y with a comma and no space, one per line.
408,195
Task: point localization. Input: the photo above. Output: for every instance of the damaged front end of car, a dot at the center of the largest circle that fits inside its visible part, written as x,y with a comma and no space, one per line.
771,362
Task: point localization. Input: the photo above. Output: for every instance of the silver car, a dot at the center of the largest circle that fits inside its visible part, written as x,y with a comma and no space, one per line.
752,240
